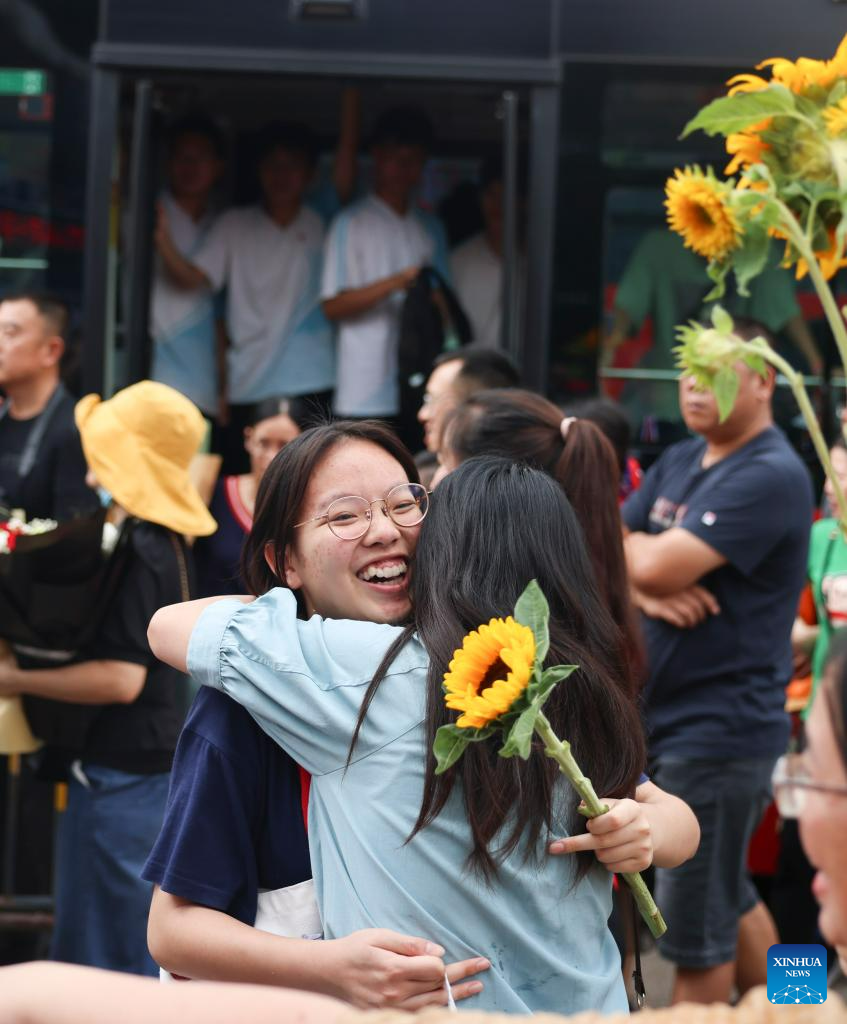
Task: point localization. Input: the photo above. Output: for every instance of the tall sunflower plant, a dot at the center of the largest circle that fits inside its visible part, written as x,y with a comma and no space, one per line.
786,136
498,682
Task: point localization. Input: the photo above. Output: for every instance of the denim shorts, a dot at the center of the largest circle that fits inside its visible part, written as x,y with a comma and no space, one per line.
703,899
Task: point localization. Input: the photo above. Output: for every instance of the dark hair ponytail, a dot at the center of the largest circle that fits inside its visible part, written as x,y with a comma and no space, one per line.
525,427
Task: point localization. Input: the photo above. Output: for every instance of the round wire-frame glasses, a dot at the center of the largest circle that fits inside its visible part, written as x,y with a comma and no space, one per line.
350,517
791,783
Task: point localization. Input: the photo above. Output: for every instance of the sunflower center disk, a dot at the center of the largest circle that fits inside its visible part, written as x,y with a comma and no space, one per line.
498,670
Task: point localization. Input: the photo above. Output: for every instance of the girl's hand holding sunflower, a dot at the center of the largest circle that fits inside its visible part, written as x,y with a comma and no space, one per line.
621,839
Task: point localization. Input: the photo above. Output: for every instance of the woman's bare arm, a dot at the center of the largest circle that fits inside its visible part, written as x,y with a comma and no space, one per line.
371,968
47,993
171,627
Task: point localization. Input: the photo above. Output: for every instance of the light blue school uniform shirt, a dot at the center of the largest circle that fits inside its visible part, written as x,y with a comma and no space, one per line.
182,321
281,344
303,681
368,241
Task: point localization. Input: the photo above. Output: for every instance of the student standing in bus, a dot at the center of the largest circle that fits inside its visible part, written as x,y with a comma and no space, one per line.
268,256
182,319
374,252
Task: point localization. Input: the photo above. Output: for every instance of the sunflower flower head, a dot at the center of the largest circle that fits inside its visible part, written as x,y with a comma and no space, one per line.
699,209
497,680
710,353
489,672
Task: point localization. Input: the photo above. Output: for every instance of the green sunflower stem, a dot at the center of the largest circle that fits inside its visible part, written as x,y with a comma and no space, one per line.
801,395
560,751
833,314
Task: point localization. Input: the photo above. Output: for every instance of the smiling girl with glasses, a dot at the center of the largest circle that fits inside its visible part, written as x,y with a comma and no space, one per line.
233,851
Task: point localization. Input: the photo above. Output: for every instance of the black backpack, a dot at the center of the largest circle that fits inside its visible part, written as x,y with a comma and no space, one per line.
423,334
423,331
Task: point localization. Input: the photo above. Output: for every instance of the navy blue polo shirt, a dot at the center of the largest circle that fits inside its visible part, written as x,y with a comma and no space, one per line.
234,819
717,690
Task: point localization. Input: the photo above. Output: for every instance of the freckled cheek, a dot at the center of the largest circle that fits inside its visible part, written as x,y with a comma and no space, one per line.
328,562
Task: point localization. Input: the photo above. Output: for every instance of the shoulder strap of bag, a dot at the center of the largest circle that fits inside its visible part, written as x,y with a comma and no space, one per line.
184,589
36,435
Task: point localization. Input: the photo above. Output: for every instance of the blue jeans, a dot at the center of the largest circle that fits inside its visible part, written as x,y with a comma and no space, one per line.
105,835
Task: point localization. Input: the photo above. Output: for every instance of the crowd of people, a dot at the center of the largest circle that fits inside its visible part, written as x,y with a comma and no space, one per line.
300,296
291,831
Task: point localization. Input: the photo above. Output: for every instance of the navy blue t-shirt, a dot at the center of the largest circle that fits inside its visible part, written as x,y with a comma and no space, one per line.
234,818
717,690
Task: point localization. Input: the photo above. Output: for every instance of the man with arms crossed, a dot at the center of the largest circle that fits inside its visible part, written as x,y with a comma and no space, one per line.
716,550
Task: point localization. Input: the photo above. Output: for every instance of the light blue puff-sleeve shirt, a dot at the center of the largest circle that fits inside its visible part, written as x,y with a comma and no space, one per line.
303,681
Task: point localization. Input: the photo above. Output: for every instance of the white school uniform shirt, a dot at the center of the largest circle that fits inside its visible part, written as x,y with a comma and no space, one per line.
478,281
182,321
280,341
368,241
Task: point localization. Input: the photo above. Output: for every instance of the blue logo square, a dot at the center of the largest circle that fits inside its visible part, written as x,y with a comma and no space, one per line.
797,973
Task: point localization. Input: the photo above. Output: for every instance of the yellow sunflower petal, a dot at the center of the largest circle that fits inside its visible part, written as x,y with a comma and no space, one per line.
746,148
785,72
746,83
837,67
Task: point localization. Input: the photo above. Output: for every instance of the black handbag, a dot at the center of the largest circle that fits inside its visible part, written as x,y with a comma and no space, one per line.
423,331
65,590
431,313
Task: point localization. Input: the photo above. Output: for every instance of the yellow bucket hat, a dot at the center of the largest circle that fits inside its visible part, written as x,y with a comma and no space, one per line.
139,444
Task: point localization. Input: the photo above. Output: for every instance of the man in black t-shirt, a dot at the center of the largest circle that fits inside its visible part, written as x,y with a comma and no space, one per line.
42,469
717,553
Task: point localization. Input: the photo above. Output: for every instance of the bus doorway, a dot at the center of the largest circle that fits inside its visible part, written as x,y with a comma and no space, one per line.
475,124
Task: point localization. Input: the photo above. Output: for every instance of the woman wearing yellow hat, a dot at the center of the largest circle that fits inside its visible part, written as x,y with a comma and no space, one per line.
138,446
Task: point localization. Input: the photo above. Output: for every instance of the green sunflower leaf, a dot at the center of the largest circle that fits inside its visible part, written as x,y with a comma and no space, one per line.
449,745
721,320
808,107
756,363
717,272
837,92
750,259
477,735
531,609
519,740
725,387
735,113
539,690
